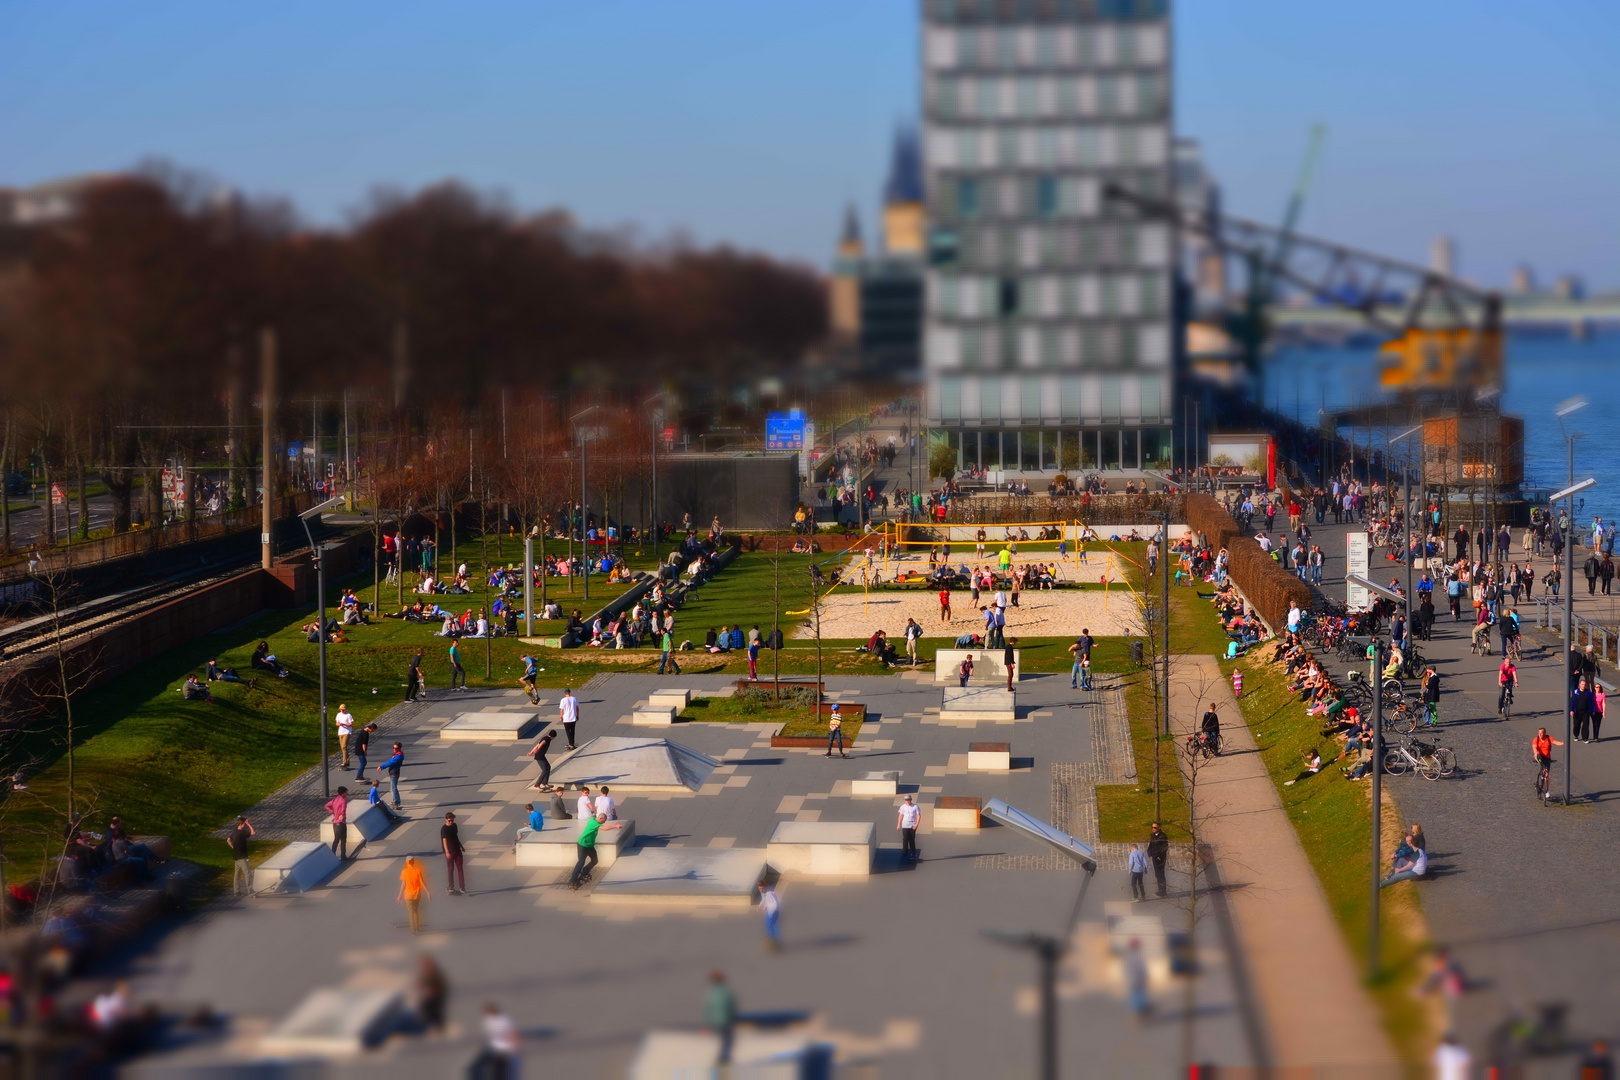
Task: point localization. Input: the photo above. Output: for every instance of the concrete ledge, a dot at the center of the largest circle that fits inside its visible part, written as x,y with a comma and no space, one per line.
298,867
335,1022
988,667
956,812
876,783
558,844
989,757
977,703
491,727
673,699
655,715
159,844
822,848
366,822
683,877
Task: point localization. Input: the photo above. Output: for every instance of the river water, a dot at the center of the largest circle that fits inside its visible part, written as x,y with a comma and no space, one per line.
1541,372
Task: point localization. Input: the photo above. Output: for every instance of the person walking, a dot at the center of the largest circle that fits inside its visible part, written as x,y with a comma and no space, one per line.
456,670
1581,704
454,869
753,655
360,744
413,889
242,876
1136,981
720,1014
771,908
913,635
910,815
395,762
413,677
1009,660
944,603
667,644
345,731
539,755
835,731
1081,651
587,848
568,711
1137,864
339,809
1158,852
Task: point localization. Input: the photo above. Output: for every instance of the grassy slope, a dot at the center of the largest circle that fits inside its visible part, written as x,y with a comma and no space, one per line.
1333,818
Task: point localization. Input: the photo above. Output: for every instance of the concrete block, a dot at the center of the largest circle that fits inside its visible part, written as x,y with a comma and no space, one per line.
298,867
336,1022
977,703
989,666
558,844
656,715
875,783
491,727
989,757
822,848
956,812
159,844
366,822
675,699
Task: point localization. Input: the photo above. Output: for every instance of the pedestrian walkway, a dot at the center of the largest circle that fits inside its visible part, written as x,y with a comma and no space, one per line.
1315,1012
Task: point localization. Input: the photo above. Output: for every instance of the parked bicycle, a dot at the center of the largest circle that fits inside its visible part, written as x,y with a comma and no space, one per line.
1432,761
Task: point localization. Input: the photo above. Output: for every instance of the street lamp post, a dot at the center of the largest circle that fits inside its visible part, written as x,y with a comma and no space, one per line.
584,505
320,594
1375,675
1564,409
1410,555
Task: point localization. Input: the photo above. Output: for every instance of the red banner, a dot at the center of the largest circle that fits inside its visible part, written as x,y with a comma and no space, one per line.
1271,465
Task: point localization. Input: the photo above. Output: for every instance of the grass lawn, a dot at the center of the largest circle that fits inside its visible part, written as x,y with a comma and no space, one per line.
1333,818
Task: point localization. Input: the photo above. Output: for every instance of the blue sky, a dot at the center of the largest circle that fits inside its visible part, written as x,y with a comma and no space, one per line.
754,121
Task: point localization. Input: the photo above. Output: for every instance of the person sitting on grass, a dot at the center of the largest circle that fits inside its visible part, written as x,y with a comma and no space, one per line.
1363,767
264,660
1410,863
216,673
194,690
1313,765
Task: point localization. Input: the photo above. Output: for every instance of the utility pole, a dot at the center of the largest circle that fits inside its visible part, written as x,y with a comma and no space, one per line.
267,352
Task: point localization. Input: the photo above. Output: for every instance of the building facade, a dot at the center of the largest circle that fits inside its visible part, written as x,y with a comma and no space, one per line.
1050,325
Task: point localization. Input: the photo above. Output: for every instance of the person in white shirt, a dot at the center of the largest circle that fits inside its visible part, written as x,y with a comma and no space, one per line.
568,713
345,728
1451,1059
771,908
605,805
910,815
587,806
501,1038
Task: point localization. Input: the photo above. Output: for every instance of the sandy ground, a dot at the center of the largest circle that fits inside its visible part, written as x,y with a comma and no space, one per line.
1058,613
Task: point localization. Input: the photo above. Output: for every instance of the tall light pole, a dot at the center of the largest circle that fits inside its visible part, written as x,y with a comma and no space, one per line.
320,599
1565,408
1376,676
584,502
657,418
1410,555
267,473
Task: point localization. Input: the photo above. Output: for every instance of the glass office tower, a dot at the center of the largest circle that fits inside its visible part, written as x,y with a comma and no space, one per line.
1050,318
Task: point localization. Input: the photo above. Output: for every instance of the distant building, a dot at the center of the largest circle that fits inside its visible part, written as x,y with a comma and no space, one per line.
1443,256
877,298
1569,287
49,202
1524,280
1049,337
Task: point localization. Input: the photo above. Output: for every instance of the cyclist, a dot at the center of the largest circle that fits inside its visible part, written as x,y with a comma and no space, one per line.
1507,625
1507,679
531,672
1542,746
1211,727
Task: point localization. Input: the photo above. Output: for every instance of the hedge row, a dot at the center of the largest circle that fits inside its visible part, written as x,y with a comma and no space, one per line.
1268,586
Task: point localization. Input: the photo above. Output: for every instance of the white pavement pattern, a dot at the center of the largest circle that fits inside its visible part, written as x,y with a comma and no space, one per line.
899,951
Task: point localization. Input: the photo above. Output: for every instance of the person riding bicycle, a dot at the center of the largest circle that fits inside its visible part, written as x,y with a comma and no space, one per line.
1507,679
1211,727
1482,630
1542,746
1507,625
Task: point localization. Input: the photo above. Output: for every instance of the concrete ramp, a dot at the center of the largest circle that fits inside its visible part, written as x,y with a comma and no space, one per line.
977,703
491,726
631,764
707,877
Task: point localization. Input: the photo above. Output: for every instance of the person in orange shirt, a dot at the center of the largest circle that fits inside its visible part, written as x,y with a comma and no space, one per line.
413,890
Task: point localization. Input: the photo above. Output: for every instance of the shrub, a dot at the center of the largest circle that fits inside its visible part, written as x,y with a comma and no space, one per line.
1268,586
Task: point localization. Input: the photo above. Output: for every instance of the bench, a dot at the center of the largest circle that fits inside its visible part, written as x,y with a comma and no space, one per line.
366,822
989,667
298,867
558,844
977,703
674,699
956,812
989,757
655,715
822,848
875,783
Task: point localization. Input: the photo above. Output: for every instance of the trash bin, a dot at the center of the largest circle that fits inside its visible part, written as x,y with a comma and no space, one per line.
1136,653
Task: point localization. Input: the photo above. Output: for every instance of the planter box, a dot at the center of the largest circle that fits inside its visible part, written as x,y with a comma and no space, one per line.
989,757
787,683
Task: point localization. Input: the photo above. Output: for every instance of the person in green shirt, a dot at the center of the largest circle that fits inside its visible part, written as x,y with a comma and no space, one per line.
667,643
587,848
720,1012
1005,560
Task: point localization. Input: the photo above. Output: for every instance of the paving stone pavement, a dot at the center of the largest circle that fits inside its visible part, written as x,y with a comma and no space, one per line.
895,965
